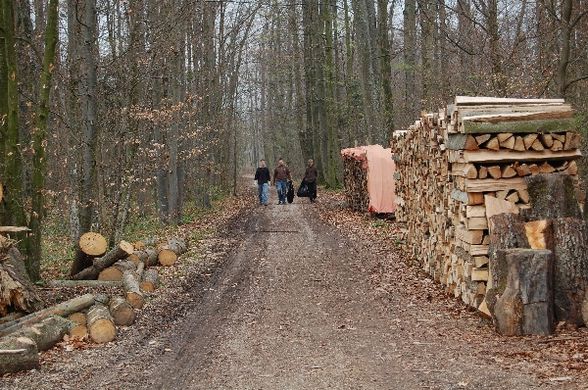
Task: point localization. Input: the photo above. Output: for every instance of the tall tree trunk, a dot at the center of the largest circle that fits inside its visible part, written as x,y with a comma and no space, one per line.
412,106
386,70
87,193
39,140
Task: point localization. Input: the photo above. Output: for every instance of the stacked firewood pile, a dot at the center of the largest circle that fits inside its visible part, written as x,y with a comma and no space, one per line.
460,167
355,173
128,267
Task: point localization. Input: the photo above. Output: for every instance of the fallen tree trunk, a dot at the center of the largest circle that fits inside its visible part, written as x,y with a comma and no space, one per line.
121,311
100,324
62,309
132,291
121,251
169,253
150,280
47,333
84,283
18,354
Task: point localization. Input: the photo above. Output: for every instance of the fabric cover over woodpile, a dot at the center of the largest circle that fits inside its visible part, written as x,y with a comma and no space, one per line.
380,175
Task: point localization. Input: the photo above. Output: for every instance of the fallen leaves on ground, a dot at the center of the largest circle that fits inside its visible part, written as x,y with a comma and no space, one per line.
561,357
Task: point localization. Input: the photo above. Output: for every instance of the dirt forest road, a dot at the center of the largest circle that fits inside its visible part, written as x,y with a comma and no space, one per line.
291,307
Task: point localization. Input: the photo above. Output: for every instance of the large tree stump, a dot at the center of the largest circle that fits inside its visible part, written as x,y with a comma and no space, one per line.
570,248
100,324
121,251
18,354
46,333
508,232
121,311
526,305
551,196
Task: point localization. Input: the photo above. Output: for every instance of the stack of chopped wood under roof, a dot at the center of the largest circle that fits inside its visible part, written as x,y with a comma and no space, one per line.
459,167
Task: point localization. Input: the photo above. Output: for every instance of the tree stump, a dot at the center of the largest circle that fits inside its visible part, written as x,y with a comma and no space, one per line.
551,196
508,232
570,248
121,251
526,305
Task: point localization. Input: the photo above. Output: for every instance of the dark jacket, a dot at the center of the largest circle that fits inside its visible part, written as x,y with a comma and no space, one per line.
262,175
281,173
311,174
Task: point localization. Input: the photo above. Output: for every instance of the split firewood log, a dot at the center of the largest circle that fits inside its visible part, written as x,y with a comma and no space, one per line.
133,293
18,354
150,280
121,251
100,324
169,253
121,311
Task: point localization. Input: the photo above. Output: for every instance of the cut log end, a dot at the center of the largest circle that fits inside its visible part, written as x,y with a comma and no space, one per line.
167,257
102,331
93,244
136,300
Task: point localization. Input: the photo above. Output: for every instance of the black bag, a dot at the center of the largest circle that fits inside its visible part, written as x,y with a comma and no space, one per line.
303,191
290,192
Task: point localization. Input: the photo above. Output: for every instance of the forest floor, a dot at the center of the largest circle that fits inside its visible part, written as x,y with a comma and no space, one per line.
309,296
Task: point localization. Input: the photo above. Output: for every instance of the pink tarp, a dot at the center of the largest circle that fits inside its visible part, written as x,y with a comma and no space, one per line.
380,177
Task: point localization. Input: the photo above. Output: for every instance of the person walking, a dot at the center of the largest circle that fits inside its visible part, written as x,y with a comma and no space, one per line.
262,175
280,180
310,176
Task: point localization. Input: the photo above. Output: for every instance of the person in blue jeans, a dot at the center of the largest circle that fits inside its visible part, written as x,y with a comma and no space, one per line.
262,175
280,179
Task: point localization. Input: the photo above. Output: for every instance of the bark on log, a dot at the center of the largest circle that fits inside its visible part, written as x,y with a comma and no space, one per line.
17,293
151,259
526,305
133,293
508,232
121,311
100,324
551,196
150,280
122,250
84,283
115,271
62,309
570,248
18,354
46,333
168,254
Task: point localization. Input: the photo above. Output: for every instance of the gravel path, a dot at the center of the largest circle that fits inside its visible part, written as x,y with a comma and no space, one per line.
290,307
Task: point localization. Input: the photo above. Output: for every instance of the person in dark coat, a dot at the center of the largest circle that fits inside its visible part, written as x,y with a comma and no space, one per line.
280,179
262,175
310,177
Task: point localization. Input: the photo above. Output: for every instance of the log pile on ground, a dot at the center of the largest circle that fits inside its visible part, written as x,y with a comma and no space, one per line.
355,180
128,267
477,159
